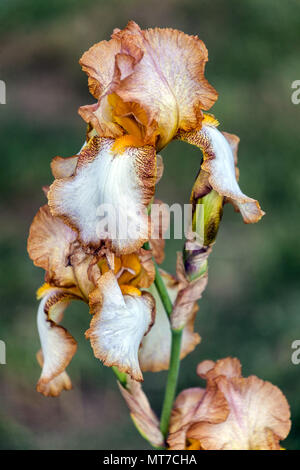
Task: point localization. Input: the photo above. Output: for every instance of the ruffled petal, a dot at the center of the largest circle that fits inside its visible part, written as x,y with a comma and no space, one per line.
100,65
154,354
229,367
108,195
258,419
219,162
106,63
232,413
147,83
100,116
141,413
58,346
168,82
119,324
50,245
183,407
193,406
53,246
186,402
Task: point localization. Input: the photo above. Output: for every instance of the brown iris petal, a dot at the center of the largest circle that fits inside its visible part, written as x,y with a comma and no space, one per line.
141,412
160,71
248,413
219,161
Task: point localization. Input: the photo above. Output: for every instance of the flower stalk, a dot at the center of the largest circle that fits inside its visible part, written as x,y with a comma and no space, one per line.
163,293
121,376
174,367
171,382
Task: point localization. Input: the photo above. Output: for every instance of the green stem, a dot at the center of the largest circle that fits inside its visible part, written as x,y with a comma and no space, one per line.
174,356
163,293
171,382
160,286
121,376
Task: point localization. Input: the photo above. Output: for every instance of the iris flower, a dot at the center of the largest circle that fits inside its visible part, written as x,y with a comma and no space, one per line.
231,413
122,312
150,89
129,328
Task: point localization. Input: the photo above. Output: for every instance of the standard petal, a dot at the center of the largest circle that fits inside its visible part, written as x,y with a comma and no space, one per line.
108,195
185,404
141,412
100,65
118,325
191,407
106,63
58,346
154,354
50,247
168,82
147,83
229,367
233,413
183,408
219,162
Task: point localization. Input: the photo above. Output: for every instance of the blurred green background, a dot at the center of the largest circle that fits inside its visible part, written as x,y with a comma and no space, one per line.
251,306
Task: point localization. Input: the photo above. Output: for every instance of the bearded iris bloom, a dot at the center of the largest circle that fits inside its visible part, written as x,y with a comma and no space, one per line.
150,89
122,300
232,413
122,312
